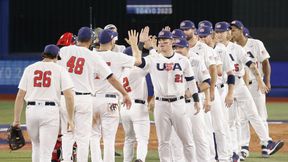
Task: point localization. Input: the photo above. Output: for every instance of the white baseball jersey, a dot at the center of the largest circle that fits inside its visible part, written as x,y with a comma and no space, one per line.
199,68
204,51
118,48
227,63
239,57
135,83
44,81
168,74
117,61
83,65
257,52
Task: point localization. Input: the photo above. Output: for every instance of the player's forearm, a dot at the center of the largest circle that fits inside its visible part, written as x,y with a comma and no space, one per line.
207,94
255,72
266,70
192,86
246,77
137,54
213,74
219,70
18,107
204,86
230,82
117,85
69,100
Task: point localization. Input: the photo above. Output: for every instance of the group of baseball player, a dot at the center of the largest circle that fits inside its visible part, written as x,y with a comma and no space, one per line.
208,82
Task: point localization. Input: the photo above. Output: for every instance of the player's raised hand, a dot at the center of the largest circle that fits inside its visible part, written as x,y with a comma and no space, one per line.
196,107
144,34
127,101
133,37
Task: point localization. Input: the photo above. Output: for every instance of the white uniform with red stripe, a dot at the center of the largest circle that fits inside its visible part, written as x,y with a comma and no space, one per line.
167,76
43,83
82,66
136,121
106,104
258,53
199,128
243,106
218,120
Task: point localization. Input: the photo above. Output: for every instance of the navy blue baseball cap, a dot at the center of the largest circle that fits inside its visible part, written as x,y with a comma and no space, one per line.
177,33
246,32
237,24
106,36
222,26
204,31
187,24
84,33
51,49
205,23
181,42
164,34
128,51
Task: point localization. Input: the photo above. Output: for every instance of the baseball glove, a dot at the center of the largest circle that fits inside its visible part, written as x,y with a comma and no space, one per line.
15,138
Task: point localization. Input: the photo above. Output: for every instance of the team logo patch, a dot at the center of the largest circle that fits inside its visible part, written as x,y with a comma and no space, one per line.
201,30
177,41
233,22
161,33
218,26
182,24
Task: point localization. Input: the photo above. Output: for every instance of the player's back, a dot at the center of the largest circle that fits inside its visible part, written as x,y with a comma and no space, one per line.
117,61
205,52
79,63
43,81
135,83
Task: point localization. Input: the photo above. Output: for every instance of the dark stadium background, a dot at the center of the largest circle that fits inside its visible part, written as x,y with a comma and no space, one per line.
27,25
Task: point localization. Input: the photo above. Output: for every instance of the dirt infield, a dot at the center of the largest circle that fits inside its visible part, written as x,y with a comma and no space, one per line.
277,131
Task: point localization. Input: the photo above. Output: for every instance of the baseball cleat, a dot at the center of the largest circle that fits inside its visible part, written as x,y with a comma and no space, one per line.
138,160
273,147
117,154
244,153
235,157
264,152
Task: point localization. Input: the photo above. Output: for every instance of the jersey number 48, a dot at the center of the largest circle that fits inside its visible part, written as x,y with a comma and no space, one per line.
75,65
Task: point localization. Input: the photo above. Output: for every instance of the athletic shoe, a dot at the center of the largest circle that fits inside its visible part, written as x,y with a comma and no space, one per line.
244,153
117,154
264,152
273,147
138,160
235,157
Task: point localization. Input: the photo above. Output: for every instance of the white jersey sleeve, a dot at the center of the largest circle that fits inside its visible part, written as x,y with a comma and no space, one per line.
263,52
23,82
101,68
66,81
125,60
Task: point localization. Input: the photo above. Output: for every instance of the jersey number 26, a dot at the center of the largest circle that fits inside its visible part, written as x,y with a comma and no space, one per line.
42,79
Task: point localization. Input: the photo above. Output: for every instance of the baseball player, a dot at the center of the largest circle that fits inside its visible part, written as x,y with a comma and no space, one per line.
202,78
82,66
105,101
136,121
66,39
40,87
225,75
168,71
243,102
116,47
207,54
258,54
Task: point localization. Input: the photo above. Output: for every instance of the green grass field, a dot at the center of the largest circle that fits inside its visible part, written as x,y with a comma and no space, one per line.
25,156
276,111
